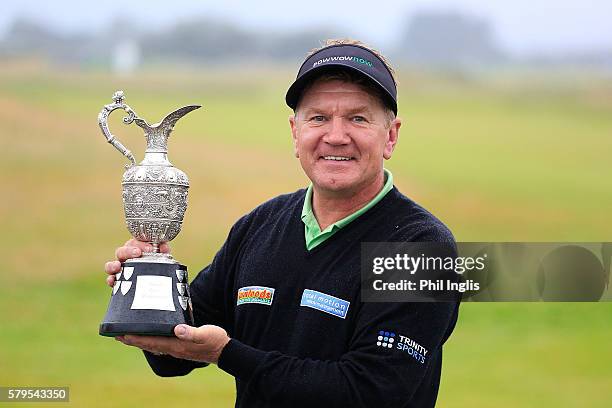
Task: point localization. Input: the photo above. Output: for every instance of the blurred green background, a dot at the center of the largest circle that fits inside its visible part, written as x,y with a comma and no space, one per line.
502,158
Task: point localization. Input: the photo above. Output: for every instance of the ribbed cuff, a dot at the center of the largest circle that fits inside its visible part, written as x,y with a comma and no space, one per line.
240,360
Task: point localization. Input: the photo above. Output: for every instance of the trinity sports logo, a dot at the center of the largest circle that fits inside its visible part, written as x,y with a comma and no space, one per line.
390,340
255,294
385,339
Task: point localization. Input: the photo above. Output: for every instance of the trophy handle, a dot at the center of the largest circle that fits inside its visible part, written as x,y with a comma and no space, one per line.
102,121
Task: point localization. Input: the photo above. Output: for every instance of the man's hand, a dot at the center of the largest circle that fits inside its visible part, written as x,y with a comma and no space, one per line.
131,249
203,343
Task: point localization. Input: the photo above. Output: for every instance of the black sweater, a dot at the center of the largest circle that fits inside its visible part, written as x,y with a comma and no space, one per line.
283,354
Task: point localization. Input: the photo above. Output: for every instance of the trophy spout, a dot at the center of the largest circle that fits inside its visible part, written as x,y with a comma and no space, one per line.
179,113
157,135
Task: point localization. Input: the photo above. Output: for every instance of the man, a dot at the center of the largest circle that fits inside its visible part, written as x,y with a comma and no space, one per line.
312,341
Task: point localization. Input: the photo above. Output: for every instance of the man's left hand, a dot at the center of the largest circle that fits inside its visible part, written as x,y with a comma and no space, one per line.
203,343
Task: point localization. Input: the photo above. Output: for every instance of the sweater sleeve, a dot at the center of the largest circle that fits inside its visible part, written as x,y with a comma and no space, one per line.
210,304
368,374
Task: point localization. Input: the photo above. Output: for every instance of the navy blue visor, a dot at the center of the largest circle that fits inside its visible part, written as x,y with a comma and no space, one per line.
349,56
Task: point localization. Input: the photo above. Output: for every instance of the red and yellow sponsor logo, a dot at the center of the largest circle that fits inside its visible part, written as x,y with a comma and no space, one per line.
255,294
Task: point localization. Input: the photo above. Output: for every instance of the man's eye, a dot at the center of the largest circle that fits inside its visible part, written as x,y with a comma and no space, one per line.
359,119
317,118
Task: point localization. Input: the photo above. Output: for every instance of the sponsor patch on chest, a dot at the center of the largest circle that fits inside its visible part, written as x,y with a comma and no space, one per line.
255,294
325,303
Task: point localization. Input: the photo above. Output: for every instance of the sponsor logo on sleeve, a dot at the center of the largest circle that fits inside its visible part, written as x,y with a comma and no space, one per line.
389,339
385,339
255,294
325,303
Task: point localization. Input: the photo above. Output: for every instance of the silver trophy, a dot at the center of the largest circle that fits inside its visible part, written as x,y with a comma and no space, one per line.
151,293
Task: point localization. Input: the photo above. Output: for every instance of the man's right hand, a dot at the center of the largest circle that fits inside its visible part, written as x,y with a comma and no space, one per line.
131,249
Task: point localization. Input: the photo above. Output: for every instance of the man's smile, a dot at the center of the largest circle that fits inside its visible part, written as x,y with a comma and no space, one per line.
337,158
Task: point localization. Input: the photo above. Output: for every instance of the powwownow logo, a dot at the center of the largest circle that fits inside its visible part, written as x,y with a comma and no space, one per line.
403,343
342,58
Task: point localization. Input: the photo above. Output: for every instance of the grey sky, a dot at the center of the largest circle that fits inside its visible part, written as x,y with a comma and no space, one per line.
522,26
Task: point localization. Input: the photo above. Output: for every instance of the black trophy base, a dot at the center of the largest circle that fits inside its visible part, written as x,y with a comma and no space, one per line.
148,299
144,329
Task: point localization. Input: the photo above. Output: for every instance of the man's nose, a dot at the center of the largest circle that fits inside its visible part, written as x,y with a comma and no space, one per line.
338,132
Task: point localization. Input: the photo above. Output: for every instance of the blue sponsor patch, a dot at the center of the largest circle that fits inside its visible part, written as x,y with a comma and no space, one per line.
325,303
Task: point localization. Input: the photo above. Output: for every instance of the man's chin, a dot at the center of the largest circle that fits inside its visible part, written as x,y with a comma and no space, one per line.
336,186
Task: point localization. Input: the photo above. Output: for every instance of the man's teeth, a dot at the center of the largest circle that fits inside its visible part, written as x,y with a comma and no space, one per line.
336,158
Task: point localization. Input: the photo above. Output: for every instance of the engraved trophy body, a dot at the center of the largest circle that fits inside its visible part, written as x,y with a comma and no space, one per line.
151,293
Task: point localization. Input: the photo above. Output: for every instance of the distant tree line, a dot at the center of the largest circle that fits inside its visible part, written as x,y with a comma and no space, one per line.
447,40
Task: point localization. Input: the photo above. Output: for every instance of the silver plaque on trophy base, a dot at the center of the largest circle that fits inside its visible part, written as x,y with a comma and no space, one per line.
151,293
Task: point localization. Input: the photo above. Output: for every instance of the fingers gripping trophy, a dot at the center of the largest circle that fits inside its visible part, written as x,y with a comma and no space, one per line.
151,293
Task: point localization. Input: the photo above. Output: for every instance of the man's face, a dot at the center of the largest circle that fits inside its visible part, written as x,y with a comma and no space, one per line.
341,134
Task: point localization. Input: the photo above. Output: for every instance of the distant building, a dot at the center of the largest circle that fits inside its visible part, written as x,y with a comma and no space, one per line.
126,57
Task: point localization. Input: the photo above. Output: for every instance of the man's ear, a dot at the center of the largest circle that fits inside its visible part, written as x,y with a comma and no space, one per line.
392,138
293,124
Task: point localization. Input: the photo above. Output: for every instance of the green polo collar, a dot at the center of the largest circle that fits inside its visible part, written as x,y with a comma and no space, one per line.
312,232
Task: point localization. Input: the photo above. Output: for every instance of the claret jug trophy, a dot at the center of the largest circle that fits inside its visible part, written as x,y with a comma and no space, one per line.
151,293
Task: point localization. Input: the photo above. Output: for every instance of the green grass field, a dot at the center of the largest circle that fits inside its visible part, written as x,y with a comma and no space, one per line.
505,158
